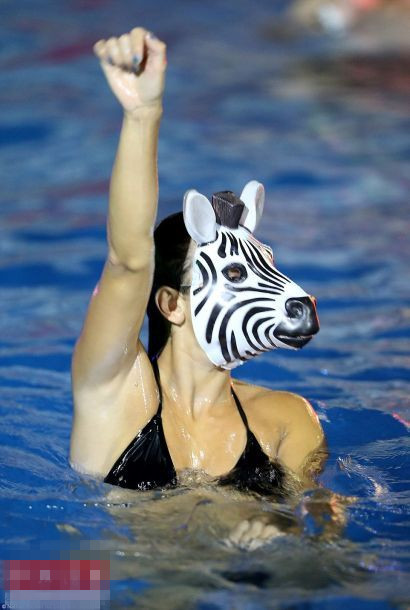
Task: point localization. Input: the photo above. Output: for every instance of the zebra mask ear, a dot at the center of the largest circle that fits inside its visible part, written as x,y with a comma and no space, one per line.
253,196
199,217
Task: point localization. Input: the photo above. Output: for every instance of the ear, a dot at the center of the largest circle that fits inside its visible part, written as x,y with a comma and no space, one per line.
170,305
199,217
253,196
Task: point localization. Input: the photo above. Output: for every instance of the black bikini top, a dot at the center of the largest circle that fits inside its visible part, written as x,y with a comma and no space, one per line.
146,463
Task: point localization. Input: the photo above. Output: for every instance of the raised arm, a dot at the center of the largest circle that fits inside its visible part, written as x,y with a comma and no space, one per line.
134,66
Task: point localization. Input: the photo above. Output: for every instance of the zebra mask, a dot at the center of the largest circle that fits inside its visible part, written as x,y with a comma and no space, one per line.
241,305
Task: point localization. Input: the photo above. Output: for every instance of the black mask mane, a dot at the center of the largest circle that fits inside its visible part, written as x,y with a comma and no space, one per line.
228,209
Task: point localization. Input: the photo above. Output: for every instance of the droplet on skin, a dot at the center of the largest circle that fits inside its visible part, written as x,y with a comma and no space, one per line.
195,461
144,396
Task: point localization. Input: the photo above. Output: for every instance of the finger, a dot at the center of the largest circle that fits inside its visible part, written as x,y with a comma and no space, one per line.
238,532
124,44
100,49
255,544
254,531
137,45
270,531
157,52
114,52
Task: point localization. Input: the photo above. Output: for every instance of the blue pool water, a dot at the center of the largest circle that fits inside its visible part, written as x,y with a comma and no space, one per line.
324,125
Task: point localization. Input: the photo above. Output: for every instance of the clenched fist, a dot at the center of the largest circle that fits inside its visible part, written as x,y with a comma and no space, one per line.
134,65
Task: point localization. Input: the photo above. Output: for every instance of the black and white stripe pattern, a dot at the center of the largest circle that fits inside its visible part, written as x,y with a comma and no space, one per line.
237,297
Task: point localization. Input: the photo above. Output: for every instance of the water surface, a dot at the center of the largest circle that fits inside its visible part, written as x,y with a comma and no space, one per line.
325,129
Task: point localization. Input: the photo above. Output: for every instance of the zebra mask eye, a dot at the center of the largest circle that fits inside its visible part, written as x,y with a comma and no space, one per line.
235,273
235,320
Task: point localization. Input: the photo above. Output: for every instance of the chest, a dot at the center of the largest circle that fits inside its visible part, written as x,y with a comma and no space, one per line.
212,444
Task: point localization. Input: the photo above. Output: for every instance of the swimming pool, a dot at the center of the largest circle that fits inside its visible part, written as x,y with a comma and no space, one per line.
303,116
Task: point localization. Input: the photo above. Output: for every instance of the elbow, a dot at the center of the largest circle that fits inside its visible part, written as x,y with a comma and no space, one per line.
131,262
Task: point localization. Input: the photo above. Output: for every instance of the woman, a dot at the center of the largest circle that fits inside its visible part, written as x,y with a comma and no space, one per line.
141,421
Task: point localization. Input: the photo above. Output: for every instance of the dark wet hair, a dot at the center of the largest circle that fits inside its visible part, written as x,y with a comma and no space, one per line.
171,246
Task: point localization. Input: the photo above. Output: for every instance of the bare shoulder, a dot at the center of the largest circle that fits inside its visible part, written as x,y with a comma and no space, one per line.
277,407
285,424
109,416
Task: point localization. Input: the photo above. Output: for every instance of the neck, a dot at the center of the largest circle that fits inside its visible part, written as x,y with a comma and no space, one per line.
190,382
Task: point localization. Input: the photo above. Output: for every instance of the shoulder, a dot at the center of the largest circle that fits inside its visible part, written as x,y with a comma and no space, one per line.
286,409
285,424
107,416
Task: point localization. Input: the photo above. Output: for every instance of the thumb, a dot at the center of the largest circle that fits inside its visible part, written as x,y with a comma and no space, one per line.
156,52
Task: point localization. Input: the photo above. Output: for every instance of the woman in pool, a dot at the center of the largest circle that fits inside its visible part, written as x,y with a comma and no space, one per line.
214,300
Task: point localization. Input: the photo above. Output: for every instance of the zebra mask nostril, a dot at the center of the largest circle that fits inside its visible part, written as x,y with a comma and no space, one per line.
302,322
295,308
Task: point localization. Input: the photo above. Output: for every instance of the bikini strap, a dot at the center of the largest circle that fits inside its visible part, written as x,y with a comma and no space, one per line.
155,368
240,409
